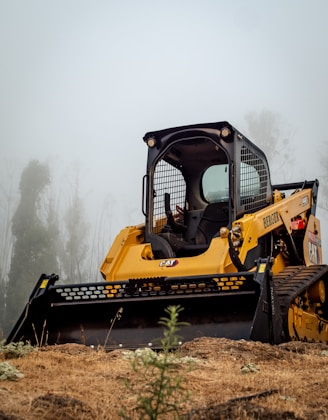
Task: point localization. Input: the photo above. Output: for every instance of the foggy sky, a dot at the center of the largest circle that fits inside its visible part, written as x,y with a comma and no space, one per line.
82,81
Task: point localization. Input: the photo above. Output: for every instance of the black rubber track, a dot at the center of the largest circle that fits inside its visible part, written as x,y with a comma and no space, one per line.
292,282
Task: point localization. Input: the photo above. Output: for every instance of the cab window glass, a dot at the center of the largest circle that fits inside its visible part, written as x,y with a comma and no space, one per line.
215,183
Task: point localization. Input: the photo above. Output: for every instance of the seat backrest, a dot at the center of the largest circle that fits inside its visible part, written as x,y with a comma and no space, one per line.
215,216
192,219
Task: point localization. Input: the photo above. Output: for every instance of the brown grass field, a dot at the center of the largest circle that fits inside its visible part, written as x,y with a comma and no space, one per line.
76,382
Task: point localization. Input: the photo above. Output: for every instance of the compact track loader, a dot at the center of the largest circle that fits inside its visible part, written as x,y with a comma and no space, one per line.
240,255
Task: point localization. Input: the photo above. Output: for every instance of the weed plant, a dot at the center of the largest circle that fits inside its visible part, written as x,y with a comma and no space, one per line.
15,350
9,372
159,387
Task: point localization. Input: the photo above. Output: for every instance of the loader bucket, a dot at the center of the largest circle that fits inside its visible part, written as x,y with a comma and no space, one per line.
93,315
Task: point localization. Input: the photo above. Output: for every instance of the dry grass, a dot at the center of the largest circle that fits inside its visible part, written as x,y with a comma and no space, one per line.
76,382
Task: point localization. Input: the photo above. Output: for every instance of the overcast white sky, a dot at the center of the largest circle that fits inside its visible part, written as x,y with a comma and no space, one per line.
82,81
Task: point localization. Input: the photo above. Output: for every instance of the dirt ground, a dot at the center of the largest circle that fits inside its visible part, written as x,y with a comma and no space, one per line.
228,380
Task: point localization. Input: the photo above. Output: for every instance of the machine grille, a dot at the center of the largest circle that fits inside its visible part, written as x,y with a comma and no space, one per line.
167,179
143,288
253,181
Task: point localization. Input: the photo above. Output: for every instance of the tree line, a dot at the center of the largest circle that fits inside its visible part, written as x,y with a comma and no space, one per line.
36,239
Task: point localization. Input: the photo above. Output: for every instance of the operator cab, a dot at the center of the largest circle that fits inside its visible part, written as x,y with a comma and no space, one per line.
191,188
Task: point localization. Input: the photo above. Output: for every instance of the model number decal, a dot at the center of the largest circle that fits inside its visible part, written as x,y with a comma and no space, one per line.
314,244
305,201
313,253
271,219
168,263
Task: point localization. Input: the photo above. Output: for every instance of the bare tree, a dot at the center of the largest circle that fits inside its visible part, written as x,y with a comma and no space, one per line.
8,201
272,135
74,258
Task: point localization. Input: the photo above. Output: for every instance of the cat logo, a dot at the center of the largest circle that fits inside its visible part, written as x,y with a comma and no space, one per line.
168,263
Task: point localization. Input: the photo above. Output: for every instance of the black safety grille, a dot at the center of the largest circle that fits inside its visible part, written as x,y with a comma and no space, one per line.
167,179
253,181
143,288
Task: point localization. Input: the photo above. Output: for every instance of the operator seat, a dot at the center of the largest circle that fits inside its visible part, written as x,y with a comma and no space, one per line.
215,216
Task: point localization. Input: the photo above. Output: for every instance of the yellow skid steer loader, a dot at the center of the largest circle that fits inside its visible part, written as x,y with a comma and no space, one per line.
240,255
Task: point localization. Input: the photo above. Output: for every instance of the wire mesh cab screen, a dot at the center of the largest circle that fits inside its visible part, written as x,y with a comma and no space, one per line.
254,180
167,179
